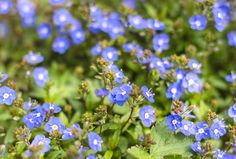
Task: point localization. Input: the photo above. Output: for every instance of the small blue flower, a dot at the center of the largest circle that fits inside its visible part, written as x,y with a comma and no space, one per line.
174,122
7,95
71,132
5,6
218,154
61,17
137,22
28,22
217,129
44,30
34,118
41,142
61,44
231,38
49,107
25,8
91,156
110,54
198,22
232,112
56,2
195,66
28,105
95,141
81,152
40,75
231,77
3,77
179,74
120,95
130,3
128,47
33,58
202,131
196,147
222,15
78,36
147,116
156,63
188,128
101,92
155,25
141,56
161,42
96,50
192,82
3,29
54,124
174,91
119,75
147,94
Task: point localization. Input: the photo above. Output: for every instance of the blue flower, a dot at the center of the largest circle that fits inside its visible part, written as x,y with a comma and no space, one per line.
41,142
218,154
192,82
222,15
28,22
34,118
147,94
91,156
25,8
61,17
96,50
115,28
217,129
147,116
161,42
231,77
140,54
155,25
128,47
179,74
174,91
232,112
40,75
201,131
195,66
3,29
71,132
54,124
5,6
33,58
61,44
3,77
110,54
78,36
188,128
28,105
44,30
95,141
81,152
49,107
120,95
7,95
130,3
156,63
119,75
231,38
174,122
196,147
137,22
198,22
101,92
56,2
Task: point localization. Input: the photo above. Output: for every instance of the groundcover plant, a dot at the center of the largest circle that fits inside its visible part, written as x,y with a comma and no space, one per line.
107,79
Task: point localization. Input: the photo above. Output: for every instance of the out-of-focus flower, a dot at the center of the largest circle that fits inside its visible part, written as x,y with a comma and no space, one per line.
198,22
161,42
147,116
61,44
7,95
232,112
40,75
44,30
33,58
95,141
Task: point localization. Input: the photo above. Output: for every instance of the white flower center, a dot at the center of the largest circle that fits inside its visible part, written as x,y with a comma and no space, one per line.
200,131
198,23
216,131
95,142
6,95
146,115
41,76
61,44
174,90
54,127
62,18
185,127
109,55
174,122
191,82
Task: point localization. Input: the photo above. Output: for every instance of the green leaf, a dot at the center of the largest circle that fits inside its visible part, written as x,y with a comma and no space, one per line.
56,154
139,153
167,143
63,118
20,146
108,154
